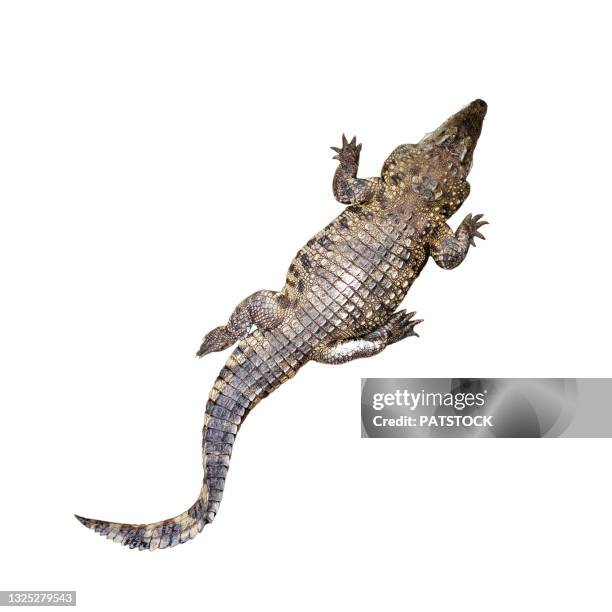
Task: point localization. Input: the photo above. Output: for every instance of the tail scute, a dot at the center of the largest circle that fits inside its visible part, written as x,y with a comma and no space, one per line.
162,534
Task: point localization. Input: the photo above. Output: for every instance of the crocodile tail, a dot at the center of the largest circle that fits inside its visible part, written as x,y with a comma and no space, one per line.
259,364
151,536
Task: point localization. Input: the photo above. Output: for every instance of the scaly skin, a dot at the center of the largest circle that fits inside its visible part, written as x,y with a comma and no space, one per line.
339,300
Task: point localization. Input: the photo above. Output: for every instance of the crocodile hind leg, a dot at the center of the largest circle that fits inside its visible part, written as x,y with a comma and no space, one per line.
399,326
265,309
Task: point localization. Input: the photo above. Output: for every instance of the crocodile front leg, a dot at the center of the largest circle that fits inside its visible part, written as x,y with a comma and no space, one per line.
348,189
449,249
399,326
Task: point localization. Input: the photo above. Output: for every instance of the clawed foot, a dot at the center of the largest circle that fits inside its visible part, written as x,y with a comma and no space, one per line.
472,225
401,325
216,340
349,152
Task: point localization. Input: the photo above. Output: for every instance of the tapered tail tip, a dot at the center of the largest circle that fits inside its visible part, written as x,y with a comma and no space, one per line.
151,536
83,520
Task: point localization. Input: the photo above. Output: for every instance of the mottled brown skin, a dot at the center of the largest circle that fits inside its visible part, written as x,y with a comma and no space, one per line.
339,300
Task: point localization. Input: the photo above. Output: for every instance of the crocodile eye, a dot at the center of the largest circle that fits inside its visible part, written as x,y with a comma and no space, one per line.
427,187
460,149
447,136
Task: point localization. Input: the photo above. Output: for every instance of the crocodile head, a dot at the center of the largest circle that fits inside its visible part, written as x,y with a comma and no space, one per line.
435,170
459,134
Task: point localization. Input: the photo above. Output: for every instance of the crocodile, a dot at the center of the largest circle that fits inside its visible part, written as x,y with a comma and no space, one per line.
340,297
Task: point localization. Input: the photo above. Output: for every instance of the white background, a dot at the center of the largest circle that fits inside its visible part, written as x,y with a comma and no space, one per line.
162,160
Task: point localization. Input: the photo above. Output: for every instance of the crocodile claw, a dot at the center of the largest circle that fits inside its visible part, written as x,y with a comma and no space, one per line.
349,151
401,325
472,224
